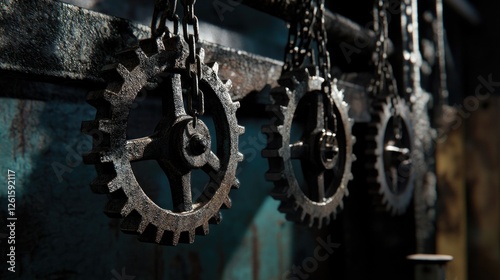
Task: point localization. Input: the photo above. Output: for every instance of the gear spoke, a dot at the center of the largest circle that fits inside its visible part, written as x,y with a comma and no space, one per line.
180,187
320,187
213,165
172,101
317,115
144,148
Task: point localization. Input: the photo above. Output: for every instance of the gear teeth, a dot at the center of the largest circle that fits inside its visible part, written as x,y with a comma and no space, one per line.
354,157
89,127
187,237
215,67
131,222
142,226
303,214
269,129
350,177
327,220
228,84
341,204
105,184
114,72
159,235
239,157
236,184
241,130
95,98
114,207
216,219
97,156
203,229
281,96
227,203
127,208
320,222
346,191
176,236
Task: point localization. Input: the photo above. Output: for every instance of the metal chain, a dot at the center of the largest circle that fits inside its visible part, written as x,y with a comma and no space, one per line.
300,36
164,10
196,106
384,75
323,54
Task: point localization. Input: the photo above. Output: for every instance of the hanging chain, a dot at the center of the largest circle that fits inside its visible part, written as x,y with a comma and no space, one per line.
384,75
300,35
164,10
196,106
323,54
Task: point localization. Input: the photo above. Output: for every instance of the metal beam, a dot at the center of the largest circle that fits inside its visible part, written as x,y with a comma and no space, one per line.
58,42
53,41
340,28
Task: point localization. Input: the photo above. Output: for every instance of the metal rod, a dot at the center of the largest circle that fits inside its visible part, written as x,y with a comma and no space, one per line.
340,28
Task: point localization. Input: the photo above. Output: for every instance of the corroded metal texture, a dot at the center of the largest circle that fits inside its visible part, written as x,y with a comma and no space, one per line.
389,151
180,144
59,42
325,149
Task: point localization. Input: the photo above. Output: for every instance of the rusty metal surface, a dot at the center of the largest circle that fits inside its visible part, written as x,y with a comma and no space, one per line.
61,42
324,150
180,144
71,45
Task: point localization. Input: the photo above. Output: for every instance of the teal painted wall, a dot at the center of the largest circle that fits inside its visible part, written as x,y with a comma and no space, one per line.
62,233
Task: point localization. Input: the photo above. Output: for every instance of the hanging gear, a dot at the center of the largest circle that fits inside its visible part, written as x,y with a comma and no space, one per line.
181,141
390,137
307,98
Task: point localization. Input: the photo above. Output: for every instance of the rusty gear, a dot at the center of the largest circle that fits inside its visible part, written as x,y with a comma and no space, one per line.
324,149
390,144
178,144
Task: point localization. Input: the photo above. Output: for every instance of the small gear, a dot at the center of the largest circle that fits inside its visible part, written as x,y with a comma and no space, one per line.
324,149
389,149
180,143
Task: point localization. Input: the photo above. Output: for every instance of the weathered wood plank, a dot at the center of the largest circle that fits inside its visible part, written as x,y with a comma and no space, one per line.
483,188
451,233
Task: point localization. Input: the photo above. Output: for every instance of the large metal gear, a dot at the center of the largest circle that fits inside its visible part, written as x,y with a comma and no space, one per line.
324,149
179,143
390,145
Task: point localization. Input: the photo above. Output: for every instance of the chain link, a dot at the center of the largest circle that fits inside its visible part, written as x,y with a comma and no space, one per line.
164,10
303,36
196,106
300,36
384,75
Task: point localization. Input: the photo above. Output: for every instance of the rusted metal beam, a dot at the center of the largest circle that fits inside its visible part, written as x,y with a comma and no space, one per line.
57,42
340,28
